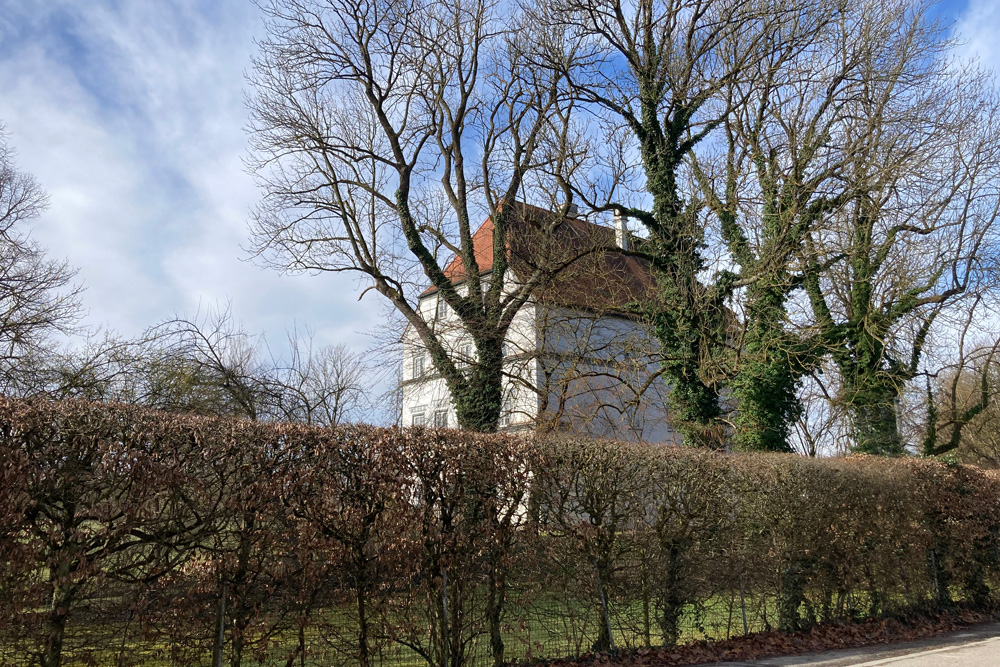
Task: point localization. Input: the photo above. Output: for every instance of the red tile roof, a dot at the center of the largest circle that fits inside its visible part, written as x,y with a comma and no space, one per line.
603,278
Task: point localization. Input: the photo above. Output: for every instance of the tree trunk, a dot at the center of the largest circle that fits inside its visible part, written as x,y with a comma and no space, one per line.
605,640
684,325
240,588
364,651
873,410
494,606
479,401
693,405
792,596
220,628
55,622
671,599
63,592
765,383
239,630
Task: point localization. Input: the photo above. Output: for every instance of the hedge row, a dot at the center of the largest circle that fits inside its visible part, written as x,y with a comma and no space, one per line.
134,537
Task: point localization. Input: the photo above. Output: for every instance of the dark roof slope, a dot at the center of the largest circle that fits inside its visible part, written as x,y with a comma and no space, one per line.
599,277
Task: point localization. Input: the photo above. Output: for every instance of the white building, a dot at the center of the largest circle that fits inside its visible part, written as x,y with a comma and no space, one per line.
574,359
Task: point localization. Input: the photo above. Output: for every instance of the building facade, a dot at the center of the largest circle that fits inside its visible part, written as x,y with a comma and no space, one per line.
575,359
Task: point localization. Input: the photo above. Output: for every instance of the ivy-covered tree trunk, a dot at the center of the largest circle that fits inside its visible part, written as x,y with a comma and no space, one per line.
671,598
773,357
764,386
693,405
876,429
871,384
684,325
871,375
478,396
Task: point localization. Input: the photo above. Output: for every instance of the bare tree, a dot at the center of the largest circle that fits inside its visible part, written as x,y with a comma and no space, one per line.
913,245
776,176
211,365
961,393
962,418
653,75
100,367
37,297
318,385
380,132
206,365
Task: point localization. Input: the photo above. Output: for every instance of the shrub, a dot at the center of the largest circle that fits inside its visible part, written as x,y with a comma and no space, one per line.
127,534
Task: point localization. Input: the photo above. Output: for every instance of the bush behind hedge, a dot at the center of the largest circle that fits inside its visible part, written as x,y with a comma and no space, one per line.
132,537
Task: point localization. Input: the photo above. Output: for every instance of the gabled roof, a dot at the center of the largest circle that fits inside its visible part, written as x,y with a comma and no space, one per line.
600,277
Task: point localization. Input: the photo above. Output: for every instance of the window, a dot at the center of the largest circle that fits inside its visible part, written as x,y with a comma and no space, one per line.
507,416
418,419
418,365
441,419
442,309
465,356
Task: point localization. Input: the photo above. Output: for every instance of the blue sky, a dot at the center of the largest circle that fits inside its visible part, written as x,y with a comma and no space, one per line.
130,114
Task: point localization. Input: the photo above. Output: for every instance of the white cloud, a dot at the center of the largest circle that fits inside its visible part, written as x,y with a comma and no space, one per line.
131,115
978,27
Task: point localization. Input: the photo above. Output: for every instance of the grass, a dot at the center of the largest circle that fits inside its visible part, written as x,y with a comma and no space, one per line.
547,628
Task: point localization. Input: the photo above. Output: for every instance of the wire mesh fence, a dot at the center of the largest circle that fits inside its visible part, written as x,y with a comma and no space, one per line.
551,626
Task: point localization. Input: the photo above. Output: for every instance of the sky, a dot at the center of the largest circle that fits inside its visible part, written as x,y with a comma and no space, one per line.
131,114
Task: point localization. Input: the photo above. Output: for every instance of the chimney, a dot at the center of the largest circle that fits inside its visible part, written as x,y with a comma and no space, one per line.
622,237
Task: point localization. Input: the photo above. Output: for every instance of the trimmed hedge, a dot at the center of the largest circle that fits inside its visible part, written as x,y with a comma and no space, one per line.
134,537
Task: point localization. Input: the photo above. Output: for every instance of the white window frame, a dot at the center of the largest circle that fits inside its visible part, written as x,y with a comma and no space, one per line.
507,408
465,356
441,418
418,419
441,309
418,365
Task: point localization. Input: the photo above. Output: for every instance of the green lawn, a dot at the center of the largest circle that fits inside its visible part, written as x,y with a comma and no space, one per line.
546,629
